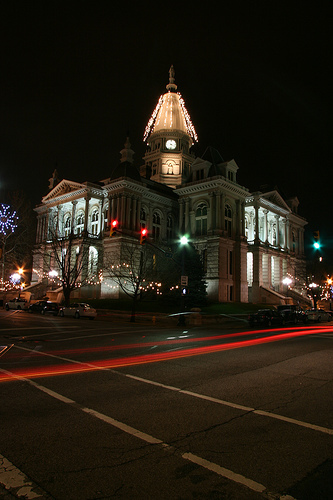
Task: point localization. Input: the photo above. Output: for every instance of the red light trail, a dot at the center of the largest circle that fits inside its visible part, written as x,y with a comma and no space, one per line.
73,366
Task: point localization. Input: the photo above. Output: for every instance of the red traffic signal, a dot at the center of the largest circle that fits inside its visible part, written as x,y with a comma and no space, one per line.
143,236
113,229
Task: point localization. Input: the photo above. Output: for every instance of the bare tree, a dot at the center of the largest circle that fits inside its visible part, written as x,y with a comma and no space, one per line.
70,256
130,268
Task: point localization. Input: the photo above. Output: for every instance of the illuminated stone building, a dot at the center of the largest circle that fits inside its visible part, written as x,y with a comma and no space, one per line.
249,242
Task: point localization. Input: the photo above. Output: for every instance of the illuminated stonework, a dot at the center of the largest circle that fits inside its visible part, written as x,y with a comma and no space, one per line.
171,114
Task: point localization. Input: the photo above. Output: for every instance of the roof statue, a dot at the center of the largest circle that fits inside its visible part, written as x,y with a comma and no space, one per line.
171,85
170,113
127,153
54,180
126,167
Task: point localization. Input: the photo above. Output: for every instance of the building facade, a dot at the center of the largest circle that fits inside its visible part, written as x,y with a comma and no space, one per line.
249,243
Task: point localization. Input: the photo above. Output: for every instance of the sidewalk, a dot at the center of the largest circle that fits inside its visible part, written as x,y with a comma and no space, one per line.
192,318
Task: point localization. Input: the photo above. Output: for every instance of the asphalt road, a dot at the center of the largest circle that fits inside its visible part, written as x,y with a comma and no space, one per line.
112,410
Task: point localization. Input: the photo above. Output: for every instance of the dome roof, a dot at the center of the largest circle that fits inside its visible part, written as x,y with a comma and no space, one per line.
170,113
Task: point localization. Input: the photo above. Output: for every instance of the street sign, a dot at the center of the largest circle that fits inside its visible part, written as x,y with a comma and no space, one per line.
184,280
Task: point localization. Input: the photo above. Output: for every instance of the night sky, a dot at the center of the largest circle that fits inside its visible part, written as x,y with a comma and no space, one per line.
255,76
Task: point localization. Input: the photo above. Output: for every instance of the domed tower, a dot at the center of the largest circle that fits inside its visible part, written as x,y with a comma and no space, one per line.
169,135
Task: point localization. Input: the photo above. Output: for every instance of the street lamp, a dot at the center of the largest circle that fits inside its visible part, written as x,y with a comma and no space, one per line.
329,282
287,281
183,280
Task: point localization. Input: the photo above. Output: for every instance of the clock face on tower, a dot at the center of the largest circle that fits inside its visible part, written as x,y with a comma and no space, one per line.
171,144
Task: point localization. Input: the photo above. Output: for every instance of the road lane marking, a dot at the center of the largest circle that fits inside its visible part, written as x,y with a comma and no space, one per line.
230,404
217,469
221,471
263,413
13,479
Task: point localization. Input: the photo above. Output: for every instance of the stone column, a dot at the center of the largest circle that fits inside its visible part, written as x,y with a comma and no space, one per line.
277,218
101,221
86,213
222,206
265,226
74,204
256,222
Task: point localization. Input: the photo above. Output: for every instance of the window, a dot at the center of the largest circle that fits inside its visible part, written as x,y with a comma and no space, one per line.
293,238
93,260
246,227
227,220
94,222
156,226
170,226
201,220
80,223
67,225
143,218
231,263
249,268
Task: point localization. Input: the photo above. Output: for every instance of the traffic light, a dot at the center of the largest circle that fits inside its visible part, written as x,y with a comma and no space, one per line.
143,236
316,240
113,229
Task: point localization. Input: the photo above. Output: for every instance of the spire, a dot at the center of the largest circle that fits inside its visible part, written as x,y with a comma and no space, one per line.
127,152
171,85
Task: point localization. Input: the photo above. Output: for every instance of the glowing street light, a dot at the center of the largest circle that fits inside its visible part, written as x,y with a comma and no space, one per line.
183,280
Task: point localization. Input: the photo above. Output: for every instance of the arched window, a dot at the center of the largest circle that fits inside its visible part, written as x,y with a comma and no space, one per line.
228,220
94,222
293,242
201,220
93,260
170,227
80,223
67,225
156,232
143,218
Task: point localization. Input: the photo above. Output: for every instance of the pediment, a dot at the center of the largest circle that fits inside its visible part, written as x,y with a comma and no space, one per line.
64,187
275,198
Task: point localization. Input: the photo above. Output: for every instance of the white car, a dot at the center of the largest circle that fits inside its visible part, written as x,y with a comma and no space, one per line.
16,304
318,315
79,310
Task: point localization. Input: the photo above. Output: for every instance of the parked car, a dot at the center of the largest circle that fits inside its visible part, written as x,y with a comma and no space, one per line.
37,306
292,313
79,309
17,303
266,317
50,308
318,315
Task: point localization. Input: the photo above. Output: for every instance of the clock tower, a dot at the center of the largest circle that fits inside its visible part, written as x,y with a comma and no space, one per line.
169,136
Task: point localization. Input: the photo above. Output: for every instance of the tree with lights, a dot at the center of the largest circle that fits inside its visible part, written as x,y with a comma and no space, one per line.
21,245
8,224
